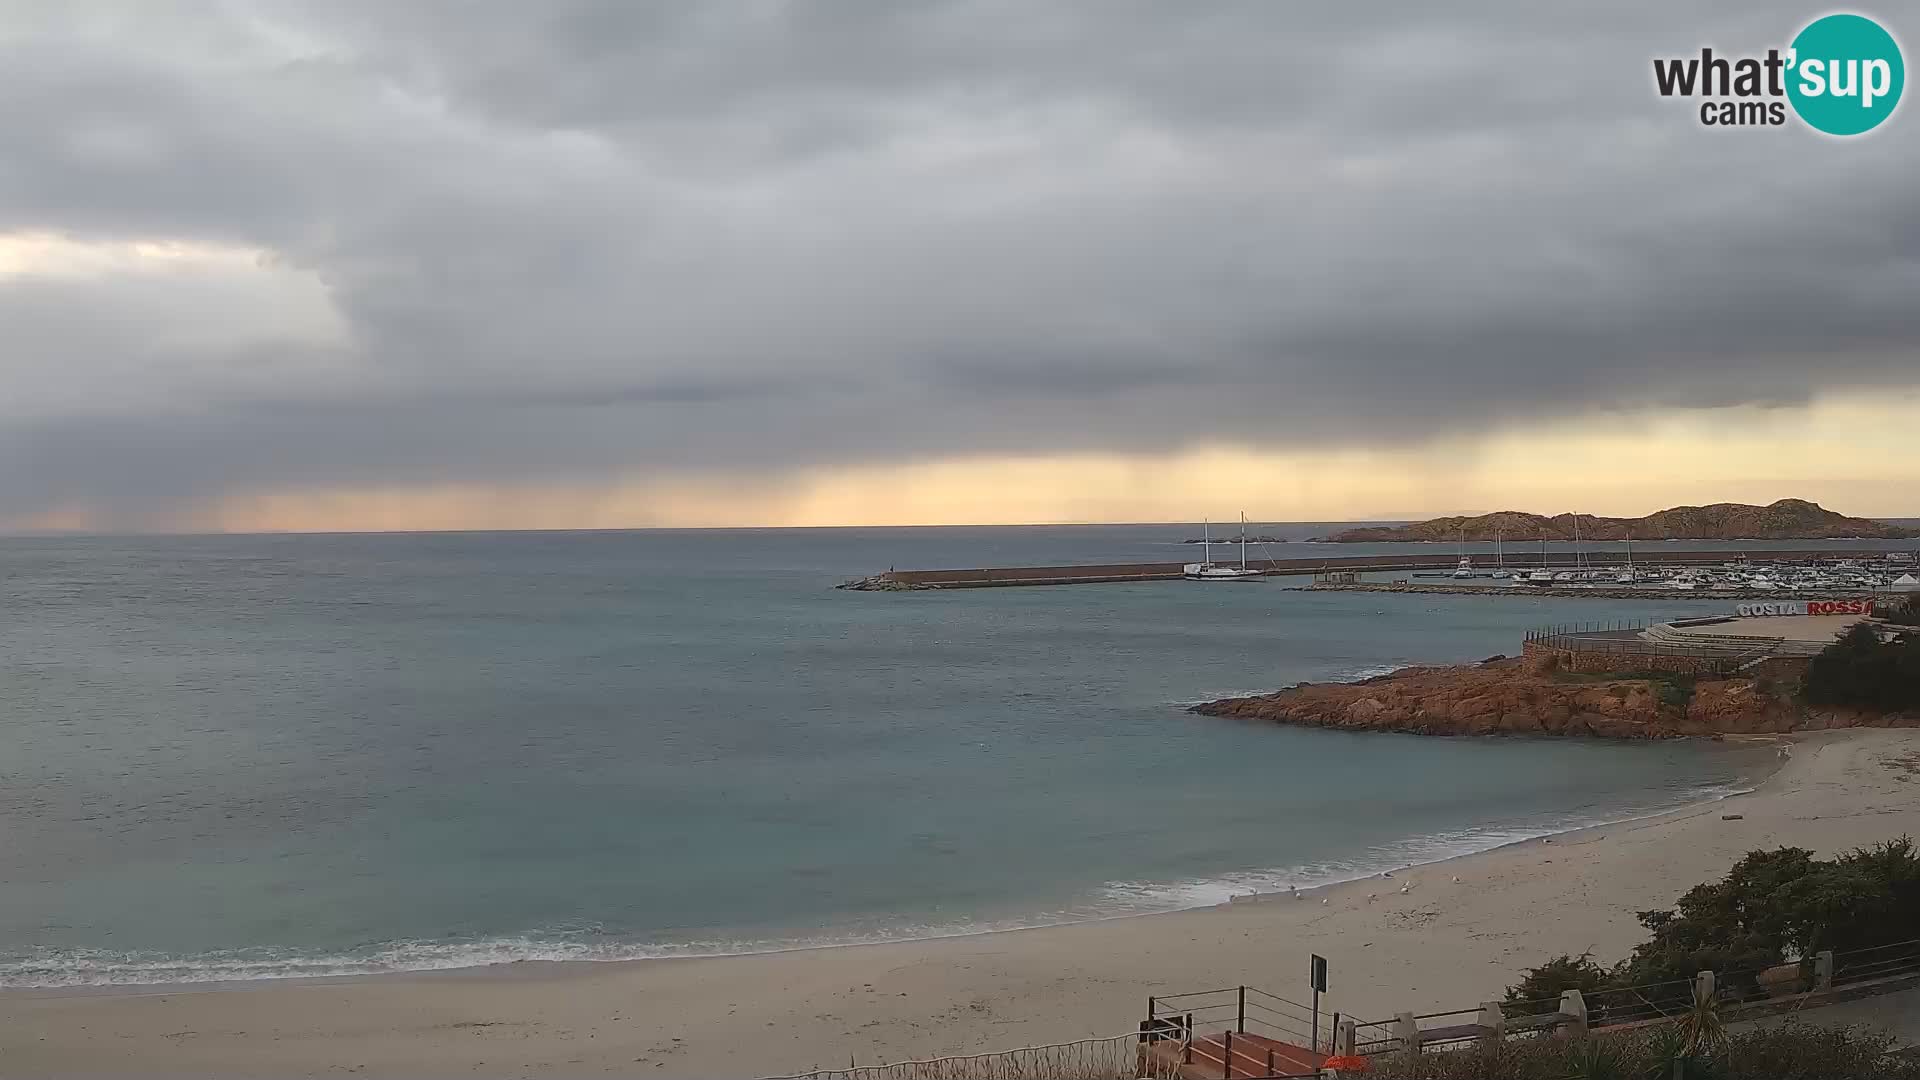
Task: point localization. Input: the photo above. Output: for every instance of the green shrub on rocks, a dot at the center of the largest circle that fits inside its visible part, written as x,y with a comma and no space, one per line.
1859,671
1772,904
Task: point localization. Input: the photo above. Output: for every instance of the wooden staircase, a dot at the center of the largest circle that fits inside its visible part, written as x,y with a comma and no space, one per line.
1231,1055
1233,1033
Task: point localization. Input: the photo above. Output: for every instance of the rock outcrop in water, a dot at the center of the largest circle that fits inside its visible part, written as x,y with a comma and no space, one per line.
1532,697
1787,519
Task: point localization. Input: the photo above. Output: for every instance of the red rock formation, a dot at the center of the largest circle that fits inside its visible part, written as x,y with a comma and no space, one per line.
1531,697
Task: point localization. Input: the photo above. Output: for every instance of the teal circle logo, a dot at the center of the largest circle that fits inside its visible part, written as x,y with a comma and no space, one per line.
1845,74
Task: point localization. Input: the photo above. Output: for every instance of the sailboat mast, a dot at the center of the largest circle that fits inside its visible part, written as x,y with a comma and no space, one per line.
1206,542
1243,539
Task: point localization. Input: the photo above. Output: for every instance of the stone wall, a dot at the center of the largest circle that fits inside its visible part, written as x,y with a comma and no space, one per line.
1604,662
1780,667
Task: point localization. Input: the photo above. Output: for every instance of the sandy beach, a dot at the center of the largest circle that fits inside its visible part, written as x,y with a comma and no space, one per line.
1441,944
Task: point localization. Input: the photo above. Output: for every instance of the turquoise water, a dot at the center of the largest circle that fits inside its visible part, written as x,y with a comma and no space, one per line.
243,757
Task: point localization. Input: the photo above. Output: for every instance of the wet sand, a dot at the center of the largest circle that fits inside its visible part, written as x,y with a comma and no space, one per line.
1439,944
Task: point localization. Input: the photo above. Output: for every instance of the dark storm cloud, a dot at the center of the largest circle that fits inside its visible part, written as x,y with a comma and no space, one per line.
562,239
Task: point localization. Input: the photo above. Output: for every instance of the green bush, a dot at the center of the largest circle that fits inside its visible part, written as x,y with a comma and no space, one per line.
1771,904
1862,672
1675,690
1905,611
1557,976
1788,1051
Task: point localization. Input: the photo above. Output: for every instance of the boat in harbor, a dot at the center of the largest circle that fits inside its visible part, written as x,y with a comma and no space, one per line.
1208,570
1626,575
1463,568
1542,576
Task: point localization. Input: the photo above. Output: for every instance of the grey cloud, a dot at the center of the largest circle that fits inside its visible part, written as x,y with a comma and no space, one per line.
575,238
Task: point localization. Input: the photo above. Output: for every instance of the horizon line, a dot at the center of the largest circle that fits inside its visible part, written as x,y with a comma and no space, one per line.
59,534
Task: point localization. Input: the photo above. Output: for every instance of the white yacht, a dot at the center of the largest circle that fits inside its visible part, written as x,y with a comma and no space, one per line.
1208,570
1463,568
1542,576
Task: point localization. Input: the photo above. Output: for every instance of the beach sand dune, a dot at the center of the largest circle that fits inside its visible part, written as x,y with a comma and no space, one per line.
1441,944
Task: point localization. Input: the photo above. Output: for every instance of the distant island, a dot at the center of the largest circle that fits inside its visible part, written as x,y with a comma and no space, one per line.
1788,519
1235,540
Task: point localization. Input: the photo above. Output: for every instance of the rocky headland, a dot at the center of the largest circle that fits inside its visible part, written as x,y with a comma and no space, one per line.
1503,696
1786,519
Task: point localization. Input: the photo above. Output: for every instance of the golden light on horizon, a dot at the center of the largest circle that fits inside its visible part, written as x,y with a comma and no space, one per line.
47,253
1852,454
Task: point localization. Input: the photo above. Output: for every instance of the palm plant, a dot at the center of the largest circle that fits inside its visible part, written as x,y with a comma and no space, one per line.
1702,1032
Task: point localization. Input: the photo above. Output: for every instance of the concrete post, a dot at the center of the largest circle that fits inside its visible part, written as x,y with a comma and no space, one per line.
1347,1038
1823,970
1494,1020
1407,1030
1703,986
1574,1008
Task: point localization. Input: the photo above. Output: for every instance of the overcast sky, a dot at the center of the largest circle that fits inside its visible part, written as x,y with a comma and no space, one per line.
336,264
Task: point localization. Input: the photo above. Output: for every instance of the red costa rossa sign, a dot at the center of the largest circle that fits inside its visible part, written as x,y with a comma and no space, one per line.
1810,607
1839,607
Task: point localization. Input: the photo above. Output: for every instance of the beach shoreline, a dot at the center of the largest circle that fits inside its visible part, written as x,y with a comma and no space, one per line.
1443,943
521,967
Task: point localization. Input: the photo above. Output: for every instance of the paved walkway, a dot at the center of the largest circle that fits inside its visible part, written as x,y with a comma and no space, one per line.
1792,627
1898,1013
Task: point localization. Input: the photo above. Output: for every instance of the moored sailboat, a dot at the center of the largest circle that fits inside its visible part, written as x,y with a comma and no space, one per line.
1208,570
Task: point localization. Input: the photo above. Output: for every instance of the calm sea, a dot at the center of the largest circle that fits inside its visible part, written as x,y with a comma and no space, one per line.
249,757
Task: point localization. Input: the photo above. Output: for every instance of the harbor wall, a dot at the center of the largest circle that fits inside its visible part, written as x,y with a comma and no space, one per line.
991,577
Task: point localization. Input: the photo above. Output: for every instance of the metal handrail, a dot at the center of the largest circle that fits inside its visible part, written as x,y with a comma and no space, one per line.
1233,1017
1890,961
1910,944
1271,1011
1245,1002
1456,1012
1612,1008
1197,993
1385,1036
1877,970
1505,1005
1276,997
1626,1005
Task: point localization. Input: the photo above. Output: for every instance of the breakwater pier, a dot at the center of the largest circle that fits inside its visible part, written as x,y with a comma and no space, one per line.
1006,576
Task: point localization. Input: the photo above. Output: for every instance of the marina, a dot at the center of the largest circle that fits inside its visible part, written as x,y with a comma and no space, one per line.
1702,573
